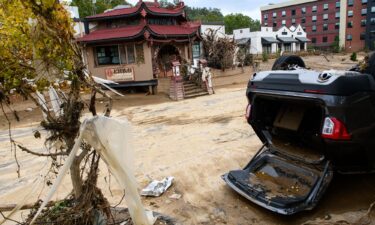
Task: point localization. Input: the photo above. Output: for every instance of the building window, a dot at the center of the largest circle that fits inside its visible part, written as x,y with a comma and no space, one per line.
313,40
107,55
363,23
349,37
337,26
350,2
313,18
303,10
325,39
337,4
325,16
350,24
337,15
274,24
350,13
274,15
325,6
363,12
283,22
325,26
373,9
314,8
304,29
362,36
293,12
293,21
265,24
196,50
364,1
284,33
265,16
283,13
303,20
130,54
299,33
313,28
372,21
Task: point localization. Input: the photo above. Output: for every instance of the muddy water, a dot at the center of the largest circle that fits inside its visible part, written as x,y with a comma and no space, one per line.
281,182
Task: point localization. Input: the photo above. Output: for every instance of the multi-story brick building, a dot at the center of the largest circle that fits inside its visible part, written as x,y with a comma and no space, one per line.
324,20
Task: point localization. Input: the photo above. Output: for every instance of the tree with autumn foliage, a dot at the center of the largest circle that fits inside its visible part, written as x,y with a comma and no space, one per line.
37,50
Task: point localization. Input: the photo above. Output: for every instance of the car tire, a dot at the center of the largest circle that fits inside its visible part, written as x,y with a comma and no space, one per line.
283,62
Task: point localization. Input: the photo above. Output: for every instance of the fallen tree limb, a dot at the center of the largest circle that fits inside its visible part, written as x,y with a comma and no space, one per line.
10,207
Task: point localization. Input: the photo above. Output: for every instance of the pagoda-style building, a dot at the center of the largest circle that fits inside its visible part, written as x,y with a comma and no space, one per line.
135,46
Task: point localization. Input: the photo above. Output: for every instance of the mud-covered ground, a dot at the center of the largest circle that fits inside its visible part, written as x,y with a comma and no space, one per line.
196,141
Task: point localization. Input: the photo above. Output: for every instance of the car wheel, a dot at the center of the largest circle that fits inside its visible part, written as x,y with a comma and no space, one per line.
287,61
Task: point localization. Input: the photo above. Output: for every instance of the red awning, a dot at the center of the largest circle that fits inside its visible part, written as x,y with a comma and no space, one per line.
113,33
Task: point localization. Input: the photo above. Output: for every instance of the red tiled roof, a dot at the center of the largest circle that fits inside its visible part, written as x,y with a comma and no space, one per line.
148,6
134,31
113,33
172,29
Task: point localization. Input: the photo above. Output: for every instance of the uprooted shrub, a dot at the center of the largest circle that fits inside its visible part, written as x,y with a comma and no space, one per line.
219,51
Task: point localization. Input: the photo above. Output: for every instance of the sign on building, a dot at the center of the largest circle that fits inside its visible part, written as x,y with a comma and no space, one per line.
120,74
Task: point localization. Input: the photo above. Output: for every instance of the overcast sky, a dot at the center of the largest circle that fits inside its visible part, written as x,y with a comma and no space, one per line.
247,7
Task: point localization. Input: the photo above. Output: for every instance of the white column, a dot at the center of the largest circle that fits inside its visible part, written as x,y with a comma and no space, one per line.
343,15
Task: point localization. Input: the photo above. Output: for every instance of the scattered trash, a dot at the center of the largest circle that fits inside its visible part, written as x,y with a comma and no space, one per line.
175,196
29,110
157,188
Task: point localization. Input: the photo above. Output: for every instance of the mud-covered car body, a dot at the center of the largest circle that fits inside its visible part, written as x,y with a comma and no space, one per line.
312,124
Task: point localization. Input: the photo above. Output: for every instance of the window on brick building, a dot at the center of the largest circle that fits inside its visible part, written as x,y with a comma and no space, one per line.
363,23
362,36
274,24
313,40
293,21
325,39
337,4
313,28
293,12
325,27
283,13
364,1
265,16
350,2
349,37
350,24
314,8
265,24
337,26
274,15
373,9
325,16
303,10
303,20
350,13
283,22
363,12
313,18
325,6
337,15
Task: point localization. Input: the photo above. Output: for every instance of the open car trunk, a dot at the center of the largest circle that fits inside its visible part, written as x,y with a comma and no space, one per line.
290,172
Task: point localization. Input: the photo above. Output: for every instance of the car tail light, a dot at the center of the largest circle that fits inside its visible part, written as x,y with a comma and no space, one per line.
335,129
248,111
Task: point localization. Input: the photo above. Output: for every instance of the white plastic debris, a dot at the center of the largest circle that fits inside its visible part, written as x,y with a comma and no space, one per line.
157,188
29,109
110,138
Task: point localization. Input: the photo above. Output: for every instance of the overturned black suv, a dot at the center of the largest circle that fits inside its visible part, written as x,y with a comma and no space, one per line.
313,124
